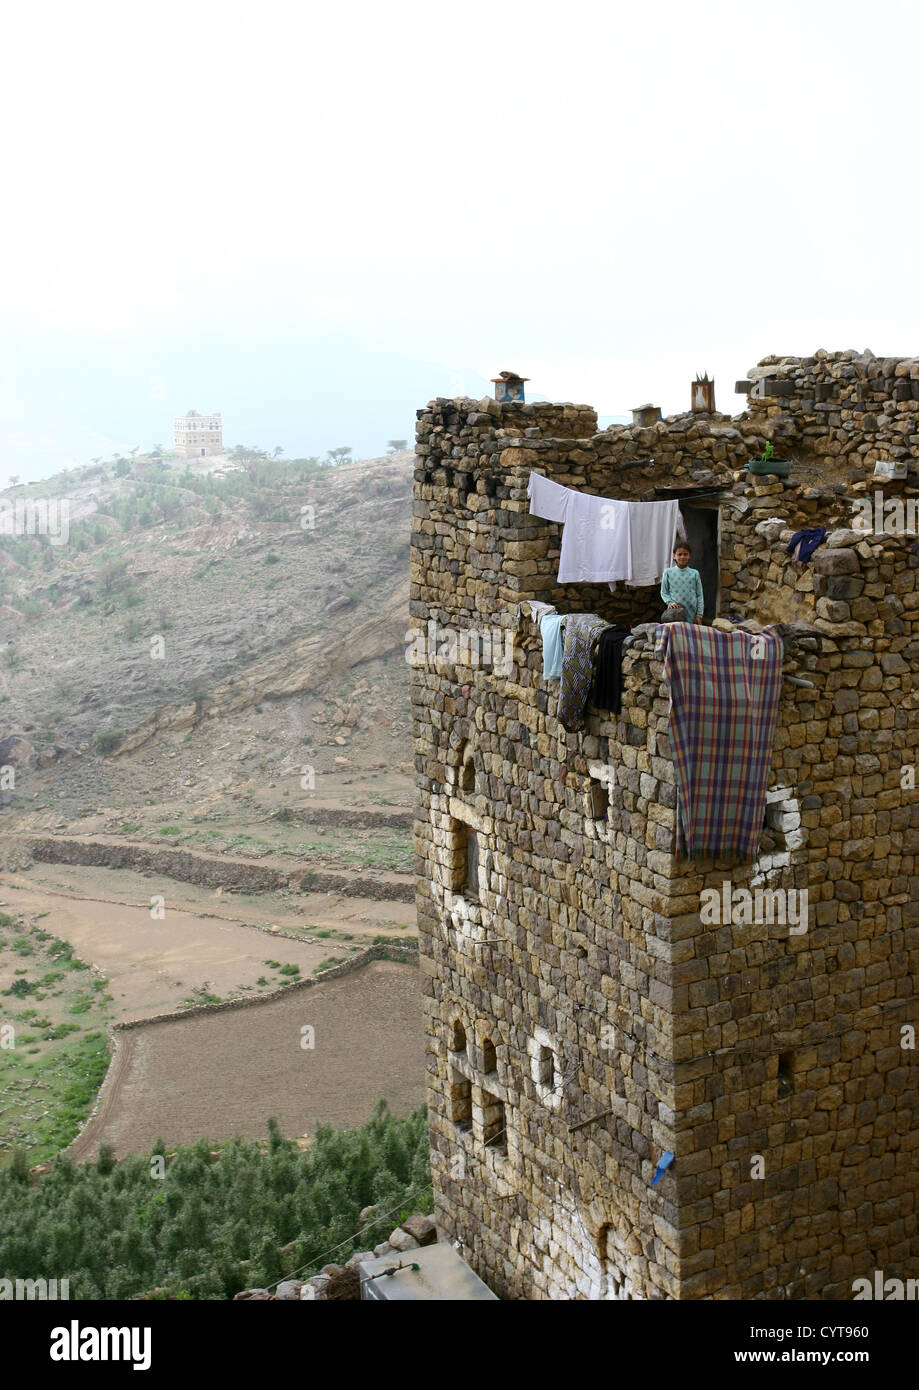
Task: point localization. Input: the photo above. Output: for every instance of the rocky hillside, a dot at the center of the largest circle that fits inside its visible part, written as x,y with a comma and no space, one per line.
206,641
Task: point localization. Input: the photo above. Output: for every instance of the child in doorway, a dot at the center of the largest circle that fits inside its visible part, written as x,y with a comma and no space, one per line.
681,587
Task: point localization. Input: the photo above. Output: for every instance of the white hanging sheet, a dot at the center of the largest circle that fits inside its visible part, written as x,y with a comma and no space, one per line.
606,539
653,527
547,499
596,541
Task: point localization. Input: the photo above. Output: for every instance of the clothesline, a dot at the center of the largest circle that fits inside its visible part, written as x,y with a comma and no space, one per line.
606,539
585,651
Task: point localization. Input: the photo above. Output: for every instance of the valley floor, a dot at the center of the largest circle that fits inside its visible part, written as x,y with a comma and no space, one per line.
214,1074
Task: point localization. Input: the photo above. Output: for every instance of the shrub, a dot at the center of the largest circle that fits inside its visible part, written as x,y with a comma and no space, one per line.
114,575
18,1171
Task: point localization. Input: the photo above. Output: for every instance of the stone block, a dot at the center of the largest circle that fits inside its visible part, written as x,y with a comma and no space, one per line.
401,1240
834,562
421,1228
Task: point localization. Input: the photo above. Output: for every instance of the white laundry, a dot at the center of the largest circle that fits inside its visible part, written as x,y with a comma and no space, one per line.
653,529
596,544
547,499
605,539
538,609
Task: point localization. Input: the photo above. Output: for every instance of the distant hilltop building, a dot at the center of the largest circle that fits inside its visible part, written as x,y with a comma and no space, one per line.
197,435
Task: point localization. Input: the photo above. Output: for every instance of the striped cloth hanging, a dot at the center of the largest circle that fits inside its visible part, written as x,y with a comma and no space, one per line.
724,701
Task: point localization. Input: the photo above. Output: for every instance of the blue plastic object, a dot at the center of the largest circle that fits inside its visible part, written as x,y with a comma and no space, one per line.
663,1163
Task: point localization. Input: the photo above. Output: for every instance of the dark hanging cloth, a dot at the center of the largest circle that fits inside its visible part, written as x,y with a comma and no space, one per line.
607,690
806,543
581,632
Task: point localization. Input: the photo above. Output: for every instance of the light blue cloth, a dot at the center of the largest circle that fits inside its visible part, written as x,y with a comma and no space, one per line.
685,587
551,628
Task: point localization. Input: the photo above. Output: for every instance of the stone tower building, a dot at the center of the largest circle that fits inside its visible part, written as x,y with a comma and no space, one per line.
583,1021
197,436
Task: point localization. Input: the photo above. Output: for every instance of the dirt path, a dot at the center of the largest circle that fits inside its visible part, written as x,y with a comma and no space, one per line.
248,1064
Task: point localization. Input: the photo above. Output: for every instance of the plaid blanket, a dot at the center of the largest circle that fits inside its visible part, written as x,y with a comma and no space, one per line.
724,700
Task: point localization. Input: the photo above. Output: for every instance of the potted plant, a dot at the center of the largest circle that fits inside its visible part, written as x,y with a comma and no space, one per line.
767,462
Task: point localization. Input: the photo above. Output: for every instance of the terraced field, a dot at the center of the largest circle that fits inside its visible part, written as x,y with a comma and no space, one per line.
250,1063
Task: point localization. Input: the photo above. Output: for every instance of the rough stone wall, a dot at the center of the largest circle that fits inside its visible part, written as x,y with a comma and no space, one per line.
846,405
582,1018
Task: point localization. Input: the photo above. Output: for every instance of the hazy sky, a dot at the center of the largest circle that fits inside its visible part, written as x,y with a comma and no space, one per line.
313,218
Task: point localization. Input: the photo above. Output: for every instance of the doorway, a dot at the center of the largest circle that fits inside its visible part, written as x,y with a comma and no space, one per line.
701,524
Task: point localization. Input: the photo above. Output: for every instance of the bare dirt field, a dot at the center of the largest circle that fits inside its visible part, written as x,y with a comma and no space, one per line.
216,1075
155,966
207,942
228,1073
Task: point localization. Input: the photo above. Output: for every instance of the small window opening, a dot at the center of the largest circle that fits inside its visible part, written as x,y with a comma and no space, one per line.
472,865
457,1036
546,1068
598,800
459,856
460,1099
786,1073
494,1125
467,776
489,1056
